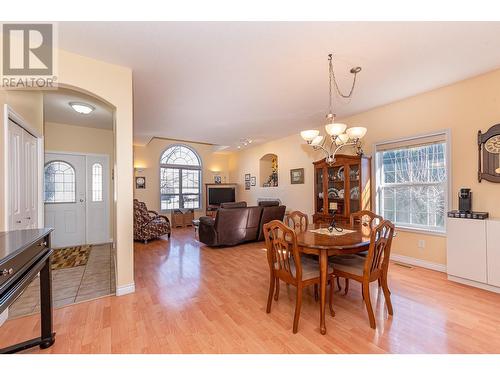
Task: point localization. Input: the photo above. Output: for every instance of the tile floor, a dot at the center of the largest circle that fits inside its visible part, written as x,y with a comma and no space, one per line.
72,285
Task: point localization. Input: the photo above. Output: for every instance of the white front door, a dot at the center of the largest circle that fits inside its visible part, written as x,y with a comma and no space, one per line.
97,199
65,196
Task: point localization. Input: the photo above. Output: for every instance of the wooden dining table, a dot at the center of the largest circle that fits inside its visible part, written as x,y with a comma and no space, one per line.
325,245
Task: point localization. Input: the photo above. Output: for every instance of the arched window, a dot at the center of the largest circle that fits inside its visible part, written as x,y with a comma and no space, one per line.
180,178
96,182
59,182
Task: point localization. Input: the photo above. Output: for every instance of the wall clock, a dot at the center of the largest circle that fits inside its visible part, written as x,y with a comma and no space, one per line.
489,154
140,182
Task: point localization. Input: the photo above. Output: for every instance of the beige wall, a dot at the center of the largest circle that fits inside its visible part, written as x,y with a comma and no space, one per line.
464,108
85,140
113,84
148,158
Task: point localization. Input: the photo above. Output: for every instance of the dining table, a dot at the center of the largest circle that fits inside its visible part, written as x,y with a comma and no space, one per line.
318,240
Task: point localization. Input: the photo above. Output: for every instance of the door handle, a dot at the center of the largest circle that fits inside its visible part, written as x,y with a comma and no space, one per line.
28,218
81,200
18,221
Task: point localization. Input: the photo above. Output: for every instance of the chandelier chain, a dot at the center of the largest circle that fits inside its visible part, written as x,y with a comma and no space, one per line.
334,79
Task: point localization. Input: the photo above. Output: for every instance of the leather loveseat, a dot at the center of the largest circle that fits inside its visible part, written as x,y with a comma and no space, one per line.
238,224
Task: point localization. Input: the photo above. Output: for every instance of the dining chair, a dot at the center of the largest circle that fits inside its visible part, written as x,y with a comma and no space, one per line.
365,218
297,220
285,263
373,267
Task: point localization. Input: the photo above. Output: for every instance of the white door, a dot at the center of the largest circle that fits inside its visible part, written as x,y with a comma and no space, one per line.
64,195
23,178
97,199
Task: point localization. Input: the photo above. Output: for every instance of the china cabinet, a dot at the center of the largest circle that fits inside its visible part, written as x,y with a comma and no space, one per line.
341,188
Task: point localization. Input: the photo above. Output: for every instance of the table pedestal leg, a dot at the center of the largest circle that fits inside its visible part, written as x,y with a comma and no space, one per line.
323,267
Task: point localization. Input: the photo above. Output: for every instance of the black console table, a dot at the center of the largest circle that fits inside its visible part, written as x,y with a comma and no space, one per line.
24,254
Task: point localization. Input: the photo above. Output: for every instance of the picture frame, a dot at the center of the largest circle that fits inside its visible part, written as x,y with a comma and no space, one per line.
297,176
247,177
140,182
217,179
253,180
247,185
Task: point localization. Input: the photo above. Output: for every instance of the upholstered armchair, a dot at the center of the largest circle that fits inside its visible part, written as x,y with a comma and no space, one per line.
149,224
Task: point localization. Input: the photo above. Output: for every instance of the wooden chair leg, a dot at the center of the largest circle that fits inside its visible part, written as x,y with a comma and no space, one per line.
387,295
271,292
298,304
338,283
368,303
316,293
277,294
346,286
330,302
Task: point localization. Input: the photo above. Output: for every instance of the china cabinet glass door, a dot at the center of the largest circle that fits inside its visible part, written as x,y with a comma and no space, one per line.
336,190
354,188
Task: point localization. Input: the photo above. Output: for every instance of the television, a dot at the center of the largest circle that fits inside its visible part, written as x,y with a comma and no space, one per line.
218,195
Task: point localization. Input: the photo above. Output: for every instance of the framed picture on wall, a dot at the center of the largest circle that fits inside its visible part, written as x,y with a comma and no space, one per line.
247,177
253,180
297,176
247,185
140,182
218,179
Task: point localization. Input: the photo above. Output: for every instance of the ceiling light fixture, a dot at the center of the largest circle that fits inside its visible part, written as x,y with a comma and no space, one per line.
244,142
340,135
82,108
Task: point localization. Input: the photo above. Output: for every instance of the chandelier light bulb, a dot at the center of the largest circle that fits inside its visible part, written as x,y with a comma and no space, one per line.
309,135
335,128
316,141
356,132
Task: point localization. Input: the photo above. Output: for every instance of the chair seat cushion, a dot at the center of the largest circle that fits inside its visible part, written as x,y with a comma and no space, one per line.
353,264
310,268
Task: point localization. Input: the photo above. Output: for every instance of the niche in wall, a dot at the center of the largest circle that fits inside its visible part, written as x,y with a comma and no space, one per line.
268,170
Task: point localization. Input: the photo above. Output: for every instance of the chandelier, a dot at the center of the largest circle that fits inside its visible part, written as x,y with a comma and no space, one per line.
340,136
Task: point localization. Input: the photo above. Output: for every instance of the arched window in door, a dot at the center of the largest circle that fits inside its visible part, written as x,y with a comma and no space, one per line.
180,178
59,182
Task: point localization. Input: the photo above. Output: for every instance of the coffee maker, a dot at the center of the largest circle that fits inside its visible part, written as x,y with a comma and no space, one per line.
465,200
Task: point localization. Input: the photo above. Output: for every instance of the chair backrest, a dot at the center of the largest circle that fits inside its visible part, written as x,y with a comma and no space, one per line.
297,220
380,248
282,251
141,215
366,217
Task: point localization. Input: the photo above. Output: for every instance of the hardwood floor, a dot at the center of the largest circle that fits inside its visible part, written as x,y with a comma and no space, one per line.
193,299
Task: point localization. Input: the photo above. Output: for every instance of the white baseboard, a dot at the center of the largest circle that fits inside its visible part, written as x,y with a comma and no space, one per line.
4,316
418,262
475,284
125,289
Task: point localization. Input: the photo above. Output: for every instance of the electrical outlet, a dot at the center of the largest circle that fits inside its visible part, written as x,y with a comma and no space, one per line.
421,244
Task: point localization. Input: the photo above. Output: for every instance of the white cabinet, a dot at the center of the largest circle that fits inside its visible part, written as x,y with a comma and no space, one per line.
466,249
493,251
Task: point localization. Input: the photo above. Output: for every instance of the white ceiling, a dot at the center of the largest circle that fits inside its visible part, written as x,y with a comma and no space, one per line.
217,82
57,109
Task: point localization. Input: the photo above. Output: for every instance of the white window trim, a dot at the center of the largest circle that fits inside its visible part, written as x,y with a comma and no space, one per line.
448,196
186,167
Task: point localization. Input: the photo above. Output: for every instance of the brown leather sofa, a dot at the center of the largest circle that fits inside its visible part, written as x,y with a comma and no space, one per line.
232,226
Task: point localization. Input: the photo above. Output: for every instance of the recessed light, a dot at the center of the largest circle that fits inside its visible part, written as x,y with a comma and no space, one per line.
82,108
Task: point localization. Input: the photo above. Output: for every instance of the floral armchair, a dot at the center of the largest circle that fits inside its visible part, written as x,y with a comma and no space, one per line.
149,224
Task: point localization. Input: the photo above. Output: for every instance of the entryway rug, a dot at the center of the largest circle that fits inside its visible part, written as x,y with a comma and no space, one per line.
68,257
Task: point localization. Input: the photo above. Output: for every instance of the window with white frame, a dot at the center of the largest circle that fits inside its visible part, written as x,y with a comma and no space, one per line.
59,181
180,178
96,182
412,182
